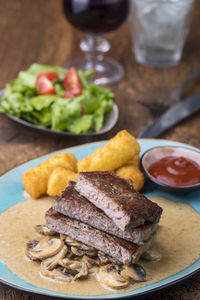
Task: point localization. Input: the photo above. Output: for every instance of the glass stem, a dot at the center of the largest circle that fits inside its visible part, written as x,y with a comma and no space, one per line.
94,47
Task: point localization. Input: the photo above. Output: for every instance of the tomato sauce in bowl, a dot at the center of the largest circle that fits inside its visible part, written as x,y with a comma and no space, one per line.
174,169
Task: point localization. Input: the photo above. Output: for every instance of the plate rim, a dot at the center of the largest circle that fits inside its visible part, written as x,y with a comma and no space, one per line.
153,289
101,297
114,113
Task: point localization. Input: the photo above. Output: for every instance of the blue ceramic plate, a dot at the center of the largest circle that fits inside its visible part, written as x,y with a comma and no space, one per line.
11,193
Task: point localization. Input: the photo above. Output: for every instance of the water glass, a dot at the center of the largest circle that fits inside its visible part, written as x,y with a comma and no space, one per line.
159,29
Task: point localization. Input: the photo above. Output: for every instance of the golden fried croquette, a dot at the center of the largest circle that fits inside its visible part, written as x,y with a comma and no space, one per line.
117,152
134,174
135,161
35,180
65,160
58,181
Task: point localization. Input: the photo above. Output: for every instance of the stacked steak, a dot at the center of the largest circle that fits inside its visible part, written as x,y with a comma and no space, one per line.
103,211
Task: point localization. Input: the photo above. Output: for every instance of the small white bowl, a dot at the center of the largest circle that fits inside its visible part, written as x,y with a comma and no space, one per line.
154,154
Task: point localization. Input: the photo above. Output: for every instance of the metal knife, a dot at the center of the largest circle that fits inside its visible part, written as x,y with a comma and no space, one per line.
172,116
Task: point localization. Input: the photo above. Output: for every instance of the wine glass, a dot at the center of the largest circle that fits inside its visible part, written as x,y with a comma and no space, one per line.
96,17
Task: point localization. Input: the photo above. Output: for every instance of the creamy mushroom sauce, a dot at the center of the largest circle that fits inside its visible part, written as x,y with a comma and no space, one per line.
178,242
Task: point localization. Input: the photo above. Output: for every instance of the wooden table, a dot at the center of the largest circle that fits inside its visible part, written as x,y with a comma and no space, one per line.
36,31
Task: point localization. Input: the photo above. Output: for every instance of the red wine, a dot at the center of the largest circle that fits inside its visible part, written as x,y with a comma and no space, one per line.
96,16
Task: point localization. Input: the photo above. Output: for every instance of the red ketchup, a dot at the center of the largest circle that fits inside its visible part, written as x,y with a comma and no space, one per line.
176,171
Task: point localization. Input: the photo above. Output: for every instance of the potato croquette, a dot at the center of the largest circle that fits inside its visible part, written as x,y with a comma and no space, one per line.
51,177
117,152
35,180
134,174
135,161
58,181
65,160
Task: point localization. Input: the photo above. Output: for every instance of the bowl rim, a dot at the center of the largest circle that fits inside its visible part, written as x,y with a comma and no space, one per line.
164,185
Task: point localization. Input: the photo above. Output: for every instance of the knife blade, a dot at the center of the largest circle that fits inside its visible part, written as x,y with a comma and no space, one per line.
172,116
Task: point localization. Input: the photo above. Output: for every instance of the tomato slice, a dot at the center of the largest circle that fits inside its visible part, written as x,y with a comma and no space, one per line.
49,75
72,82
68,95
45,86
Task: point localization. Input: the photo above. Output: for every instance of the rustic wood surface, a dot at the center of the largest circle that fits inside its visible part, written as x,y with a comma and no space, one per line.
36,31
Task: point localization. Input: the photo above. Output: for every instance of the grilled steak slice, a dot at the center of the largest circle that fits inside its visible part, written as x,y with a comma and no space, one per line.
121,250
117,198
73,205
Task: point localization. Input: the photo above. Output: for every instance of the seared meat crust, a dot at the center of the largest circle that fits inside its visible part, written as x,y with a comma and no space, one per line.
75,206
121,250
117,198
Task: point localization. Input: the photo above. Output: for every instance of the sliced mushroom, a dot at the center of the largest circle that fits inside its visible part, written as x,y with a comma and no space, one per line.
78,268
87,248
72,242
115,262
118,268
44,248
83,272
90,251
103,259
52,262
70,264
44,230
77,251
135,272
70,254
30,245
109,276
59,274
151,255
91,263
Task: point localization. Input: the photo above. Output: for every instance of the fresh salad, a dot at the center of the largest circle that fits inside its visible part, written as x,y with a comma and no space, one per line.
57,98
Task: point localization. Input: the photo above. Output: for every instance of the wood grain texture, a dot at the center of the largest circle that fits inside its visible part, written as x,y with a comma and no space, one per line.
36,31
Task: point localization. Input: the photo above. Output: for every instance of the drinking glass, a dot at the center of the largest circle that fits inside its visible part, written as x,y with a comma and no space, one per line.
96,17
159,29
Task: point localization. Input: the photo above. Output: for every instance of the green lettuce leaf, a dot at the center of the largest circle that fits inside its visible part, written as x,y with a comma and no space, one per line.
82,114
